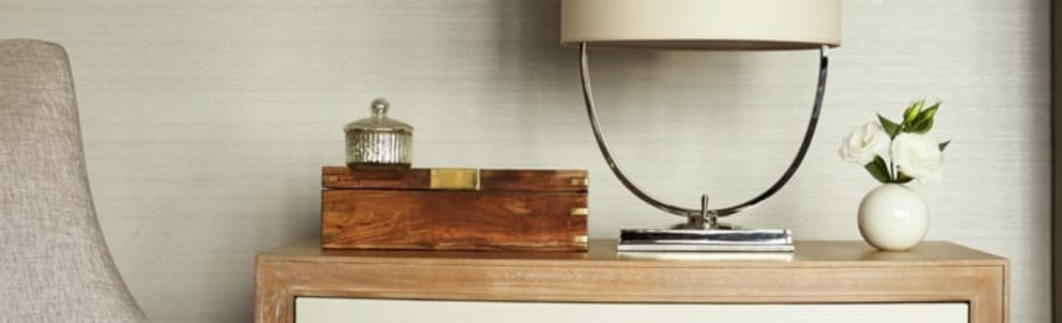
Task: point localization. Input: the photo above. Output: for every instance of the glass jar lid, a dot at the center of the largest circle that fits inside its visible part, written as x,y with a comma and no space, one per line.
379,122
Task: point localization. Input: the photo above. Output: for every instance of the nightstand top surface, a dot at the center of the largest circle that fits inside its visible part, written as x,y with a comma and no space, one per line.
603,252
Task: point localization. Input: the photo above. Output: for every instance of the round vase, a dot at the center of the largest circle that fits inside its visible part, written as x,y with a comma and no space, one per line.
893,217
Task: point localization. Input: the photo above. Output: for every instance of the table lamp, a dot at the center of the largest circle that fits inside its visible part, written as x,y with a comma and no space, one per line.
702,25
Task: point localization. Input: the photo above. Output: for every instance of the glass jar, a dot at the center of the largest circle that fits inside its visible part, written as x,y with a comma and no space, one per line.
379,141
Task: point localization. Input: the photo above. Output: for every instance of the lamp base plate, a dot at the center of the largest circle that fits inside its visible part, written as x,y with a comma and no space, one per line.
706,240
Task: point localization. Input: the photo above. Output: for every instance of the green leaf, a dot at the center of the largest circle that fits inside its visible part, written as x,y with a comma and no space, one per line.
902,179
930,111
912,111
890,127
944,145
923,122
879,169
921,126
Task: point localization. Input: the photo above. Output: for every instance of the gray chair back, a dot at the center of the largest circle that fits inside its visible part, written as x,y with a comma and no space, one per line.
54,262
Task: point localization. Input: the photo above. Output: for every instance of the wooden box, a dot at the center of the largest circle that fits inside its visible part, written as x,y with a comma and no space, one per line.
454,209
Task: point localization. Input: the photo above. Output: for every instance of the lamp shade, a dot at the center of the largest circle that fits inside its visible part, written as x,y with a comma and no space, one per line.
702,24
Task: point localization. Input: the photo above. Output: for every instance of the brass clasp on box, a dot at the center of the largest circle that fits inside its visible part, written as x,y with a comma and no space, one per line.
580,240
455,179
580,182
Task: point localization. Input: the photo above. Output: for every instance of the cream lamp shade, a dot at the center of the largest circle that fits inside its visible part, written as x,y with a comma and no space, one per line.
702,24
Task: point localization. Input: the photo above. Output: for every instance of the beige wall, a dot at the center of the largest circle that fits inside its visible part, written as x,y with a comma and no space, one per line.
206,121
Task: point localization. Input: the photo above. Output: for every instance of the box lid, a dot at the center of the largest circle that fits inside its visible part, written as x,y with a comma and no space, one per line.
342,177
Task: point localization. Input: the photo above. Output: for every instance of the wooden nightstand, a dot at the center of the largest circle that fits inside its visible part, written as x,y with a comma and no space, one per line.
822,281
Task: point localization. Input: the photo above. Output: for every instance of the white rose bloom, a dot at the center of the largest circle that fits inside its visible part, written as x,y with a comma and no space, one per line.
918,157
864,143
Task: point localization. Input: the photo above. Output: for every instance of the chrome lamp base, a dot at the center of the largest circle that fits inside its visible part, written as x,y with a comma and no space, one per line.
712,240
704,233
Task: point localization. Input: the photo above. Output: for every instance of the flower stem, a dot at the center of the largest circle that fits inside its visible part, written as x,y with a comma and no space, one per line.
893,174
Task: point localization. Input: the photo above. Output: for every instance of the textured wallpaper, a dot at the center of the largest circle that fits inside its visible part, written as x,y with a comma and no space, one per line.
206,122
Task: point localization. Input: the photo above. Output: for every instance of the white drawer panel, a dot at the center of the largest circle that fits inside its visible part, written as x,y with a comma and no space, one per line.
348,310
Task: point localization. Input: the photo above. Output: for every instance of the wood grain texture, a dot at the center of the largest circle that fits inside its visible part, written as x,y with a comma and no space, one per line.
463,220
819,272
342,177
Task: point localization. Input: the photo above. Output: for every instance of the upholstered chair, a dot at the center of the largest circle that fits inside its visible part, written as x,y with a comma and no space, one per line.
54,262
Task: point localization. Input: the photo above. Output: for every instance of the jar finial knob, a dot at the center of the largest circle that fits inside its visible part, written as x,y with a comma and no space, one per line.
380,107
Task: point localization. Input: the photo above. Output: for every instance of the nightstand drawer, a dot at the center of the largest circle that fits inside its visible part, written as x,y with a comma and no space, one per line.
344,310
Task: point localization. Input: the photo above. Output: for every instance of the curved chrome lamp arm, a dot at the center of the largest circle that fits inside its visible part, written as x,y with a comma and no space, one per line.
704,212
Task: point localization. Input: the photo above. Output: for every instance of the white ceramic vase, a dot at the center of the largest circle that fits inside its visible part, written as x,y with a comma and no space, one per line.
893,217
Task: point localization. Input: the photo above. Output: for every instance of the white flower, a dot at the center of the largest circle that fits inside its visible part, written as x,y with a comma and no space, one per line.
864,143
917,156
